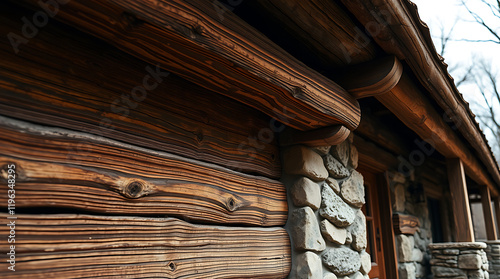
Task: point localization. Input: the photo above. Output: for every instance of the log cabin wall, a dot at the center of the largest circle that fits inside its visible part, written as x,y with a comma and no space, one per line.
125,169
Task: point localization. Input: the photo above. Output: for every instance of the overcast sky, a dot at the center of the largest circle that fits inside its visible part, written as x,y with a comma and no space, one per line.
445,14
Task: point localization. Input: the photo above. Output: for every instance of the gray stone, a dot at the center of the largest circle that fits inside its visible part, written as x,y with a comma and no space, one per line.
476,274
358,231
357,275
329,276
332,233
419,242
366,262
335,209
348,238
306,192
407,271
446,271
322,150
419,271
305,231
335,168
300,160
457,245
451,251
470,261
307,265
353,191
405,247
334,184
353,158
399,198
342,261
444,257
417,255
445,263
341,152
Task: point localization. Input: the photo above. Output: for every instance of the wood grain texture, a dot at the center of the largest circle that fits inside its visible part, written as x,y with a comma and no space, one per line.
390,253
415,111
496,203
405,224
64,169
324,28
372,78
320,137
65,78
84,246
401,32
489,220
460,201
225,55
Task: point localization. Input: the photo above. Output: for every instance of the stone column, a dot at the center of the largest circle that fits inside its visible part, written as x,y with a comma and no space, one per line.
493,253
326,224
460,260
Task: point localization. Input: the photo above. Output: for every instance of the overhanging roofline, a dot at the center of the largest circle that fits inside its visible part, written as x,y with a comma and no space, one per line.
401,32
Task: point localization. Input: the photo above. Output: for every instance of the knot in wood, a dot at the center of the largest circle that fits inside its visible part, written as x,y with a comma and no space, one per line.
134,190
199,136
231,204
171,266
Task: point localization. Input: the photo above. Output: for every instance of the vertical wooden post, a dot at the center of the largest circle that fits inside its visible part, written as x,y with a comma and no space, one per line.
491,231
460,200
497,210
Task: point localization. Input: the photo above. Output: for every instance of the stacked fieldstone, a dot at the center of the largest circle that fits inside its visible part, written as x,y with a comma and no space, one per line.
493,253
413,256
326,224
461,260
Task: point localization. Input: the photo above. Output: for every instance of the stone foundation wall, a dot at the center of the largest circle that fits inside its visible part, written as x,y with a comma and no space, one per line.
462,260
412,253
326,224
493,253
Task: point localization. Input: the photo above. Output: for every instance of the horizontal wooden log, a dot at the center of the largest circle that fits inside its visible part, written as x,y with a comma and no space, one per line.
83,246
219,52
65,78
320,137
405,224
64,169
372,78
415,111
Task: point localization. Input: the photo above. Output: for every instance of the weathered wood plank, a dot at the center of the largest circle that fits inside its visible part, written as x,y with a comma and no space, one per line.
489,220
460,201
60,168
405,224
223,54
82,246
65,78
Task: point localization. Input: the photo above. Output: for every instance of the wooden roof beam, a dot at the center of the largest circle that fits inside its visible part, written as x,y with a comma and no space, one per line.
212,47
372,78
407,102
